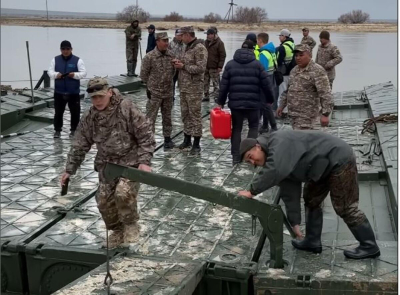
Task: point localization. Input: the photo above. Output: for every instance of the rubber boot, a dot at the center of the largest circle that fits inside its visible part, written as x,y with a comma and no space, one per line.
312,241
235,160
187,142
115,239
134,69
368,247
168,143
131,233
196,149
129,66
57,134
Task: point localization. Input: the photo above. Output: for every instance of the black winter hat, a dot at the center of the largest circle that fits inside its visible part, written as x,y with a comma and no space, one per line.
246,145
65,44
252,37
248,44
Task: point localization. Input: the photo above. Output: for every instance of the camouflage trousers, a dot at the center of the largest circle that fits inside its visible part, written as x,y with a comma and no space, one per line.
191,113
213,76
166,104
132,53
342,184
117,202
302,123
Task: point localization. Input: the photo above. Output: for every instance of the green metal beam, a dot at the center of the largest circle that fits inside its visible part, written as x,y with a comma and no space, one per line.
270,215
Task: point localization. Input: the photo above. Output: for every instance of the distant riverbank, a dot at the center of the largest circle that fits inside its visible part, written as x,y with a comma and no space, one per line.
161,25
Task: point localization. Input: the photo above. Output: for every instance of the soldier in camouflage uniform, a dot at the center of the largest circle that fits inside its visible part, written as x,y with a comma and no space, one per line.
133,34
191,82
215,63
325,164
328,56
122,135
308,90
158,72
308,40
177,49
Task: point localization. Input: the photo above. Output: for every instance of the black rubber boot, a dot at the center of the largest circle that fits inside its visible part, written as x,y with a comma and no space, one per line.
187,142
168,143
235,160
312,240
263,130
129,65
368,247
196,149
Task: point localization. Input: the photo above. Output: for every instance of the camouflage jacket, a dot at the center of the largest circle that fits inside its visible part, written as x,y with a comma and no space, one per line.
328,57
122,134
191,76
309,41
138,34
308,90
177,49
157,72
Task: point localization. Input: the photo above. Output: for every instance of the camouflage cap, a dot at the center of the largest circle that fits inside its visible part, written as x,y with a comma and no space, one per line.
302,48
305,29
97,86
162,36
186,30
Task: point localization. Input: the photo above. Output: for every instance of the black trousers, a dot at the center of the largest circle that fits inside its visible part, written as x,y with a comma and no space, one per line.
268,117
74,105
238,115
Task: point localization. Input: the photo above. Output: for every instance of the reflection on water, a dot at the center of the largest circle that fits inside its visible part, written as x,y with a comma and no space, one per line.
103,51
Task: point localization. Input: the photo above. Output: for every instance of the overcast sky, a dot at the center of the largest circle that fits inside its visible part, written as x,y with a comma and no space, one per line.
288,9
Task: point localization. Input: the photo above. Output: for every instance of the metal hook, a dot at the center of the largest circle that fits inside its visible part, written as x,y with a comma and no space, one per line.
108,280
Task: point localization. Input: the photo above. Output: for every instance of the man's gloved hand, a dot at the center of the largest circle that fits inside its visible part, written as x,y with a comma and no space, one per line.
148,94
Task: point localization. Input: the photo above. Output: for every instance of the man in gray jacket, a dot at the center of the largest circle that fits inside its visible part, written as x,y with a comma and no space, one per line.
326,164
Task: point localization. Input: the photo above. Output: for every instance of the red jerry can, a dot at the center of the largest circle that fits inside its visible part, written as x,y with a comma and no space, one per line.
220,123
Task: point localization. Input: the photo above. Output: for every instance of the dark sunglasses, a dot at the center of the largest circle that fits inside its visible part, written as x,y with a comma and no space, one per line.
95,88
66,48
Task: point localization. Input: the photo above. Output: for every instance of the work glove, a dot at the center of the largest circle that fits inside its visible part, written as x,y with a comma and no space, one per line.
148,94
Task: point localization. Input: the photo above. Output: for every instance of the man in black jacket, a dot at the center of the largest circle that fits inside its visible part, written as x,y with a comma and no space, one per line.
151,40
247,86
326,164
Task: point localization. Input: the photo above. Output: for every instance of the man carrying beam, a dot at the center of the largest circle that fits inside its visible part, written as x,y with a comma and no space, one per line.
326,164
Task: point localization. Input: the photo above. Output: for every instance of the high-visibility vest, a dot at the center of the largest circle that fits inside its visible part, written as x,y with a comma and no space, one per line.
289,47
257,52
271,60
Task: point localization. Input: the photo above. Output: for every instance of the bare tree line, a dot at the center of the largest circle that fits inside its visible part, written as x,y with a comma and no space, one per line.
244,15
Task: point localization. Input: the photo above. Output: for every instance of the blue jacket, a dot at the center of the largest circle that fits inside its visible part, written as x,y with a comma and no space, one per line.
151,42
263,60
63,65
245,83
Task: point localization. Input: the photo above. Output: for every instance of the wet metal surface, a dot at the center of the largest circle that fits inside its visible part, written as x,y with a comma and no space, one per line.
382,98
140,275
180,228
331,267
174,225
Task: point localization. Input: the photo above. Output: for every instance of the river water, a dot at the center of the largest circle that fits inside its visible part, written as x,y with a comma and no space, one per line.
368,58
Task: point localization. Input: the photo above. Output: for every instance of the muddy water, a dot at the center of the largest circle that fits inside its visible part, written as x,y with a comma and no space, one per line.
103,51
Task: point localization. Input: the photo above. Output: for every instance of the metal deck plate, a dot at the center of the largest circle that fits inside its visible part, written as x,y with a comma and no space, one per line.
140,275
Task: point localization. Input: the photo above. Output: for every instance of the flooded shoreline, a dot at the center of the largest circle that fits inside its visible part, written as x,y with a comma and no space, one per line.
267,26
